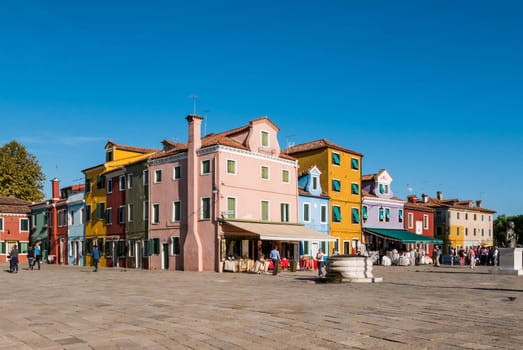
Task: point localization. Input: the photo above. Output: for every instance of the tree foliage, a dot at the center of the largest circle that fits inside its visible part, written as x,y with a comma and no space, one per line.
500,228
21,175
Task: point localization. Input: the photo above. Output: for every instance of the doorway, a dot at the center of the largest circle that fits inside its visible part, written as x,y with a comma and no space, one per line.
165,256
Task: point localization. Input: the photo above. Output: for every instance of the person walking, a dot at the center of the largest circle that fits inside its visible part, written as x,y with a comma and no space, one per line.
37,256
319,259
472,258
30,257
275,257
451,254
96,257
13,268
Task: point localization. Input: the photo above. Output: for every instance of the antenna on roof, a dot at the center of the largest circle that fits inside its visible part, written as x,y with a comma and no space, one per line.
289,142
194,97
205,122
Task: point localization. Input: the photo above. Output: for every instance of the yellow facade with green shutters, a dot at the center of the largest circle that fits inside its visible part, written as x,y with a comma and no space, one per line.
341,181
96,193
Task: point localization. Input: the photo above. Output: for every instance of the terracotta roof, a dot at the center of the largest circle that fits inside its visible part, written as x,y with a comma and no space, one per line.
457,204
368,177
13,205
302,192
418,206
316,145
367,194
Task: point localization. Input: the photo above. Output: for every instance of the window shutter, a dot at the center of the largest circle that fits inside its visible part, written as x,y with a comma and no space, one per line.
355,164
355,189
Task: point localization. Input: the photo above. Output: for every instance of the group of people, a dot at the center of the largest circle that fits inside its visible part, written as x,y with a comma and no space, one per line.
34,256
475,256
275,257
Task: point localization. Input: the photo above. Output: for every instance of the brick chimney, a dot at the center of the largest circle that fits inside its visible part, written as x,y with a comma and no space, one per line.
439,195
425,198
478,203
55,188
192,245
411,198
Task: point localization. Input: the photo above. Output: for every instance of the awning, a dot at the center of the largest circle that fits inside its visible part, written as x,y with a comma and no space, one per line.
273,231
403,236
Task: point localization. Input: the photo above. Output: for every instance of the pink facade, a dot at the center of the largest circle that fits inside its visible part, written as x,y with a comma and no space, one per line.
237,174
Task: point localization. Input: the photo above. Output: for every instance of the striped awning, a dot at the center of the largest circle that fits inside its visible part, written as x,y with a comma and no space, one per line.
273,231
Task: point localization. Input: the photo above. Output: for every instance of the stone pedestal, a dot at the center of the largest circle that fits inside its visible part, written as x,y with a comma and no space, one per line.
356,269
510,261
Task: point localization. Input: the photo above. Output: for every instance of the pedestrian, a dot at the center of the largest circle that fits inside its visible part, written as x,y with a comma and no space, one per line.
95,257
275,257
37,255
451,254
319,259
472,258
13,266
436,255
30,256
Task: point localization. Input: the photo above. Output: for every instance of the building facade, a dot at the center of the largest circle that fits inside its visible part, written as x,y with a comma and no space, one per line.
15,216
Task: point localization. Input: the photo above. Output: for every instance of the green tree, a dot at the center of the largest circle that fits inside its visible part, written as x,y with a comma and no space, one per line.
21,175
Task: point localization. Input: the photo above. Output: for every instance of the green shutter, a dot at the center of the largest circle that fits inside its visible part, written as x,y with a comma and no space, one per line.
400,214
336,159
355,164
355,216
336,186
381,214
355,189
387,213
336,214
364,212
382,189
2,247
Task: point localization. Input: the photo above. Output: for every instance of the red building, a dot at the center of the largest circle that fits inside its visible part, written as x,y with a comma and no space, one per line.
116,214
15,216
419,219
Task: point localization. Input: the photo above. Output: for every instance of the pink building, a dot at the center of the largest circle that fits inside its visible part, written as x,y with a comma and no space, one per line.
221,197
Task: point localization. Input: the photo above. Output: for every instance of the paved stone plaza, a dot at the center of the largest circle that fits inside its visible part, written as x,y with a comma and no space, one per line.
419,307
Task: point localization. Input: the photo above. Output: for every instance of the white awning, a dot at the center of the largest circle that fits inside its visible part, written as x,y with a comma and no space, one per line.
274,231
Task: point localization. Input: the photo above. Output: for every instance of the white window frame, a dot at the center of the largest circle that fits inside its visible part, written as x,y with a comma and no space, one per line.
173,218
130,212
173,238
268,173
202,217
121,182
262,133
285,171
109,185
410,220
232,215
158,176
175,168
425,222
109,216
306,208
268,210
155,213
287,216
28,224
324,208
129,181
121,214
202,162
315,182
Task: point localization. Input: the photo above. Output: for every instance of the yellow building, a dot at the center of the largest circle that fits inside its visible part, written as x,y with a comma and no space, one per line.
96,193
341,180
461,223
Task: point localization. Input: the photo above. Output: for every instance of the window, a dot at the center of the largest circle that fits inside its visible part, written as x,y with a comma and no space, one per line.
457,231
109,155
336,213
145,177
61,218
100,182
100,211
88,212
24,225
109,185
70,218
131,248
400,215
354,164
175,245
146,210
355,188
384,189
466,231
177,172
265,138
265,210
231,166
381,215
231,208
323,214
109,216
157,176
457,215
122,183
177,211
364,213
284,211
355,216
482,217
314,183
387,214
336,185
205,167
336,160
475,216
425,222
130,181
466,216
130,212
87,185
154,246
265,172
285,176
205,208
306,212
108,250
120,251
121,214
155,214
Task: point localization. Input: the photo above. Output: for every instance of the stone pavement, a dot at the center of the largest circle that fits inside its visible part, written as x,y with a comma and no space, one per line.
419,307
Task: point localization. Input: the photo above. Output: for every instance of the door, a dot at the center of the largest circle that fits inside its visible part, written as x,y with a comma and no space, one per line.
138,255
114,246
165,255
62,251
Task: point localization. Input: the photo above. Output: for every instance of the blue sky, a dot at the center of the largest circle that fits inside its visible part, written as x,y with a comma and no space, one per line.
429,90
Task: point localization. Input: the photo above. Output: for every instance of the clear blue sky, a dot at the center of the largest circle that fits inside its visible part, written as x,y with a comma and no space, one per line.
429,90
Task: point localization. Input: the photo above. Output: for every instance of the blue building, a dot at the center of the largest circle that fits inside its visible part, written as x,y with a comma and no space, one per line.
75,223
313,211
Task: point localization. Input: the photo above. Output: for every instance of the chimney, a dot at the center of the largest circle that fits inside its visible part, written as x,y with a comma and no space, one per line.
55,188
425,198
439,195
478,203
411,198
193,245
